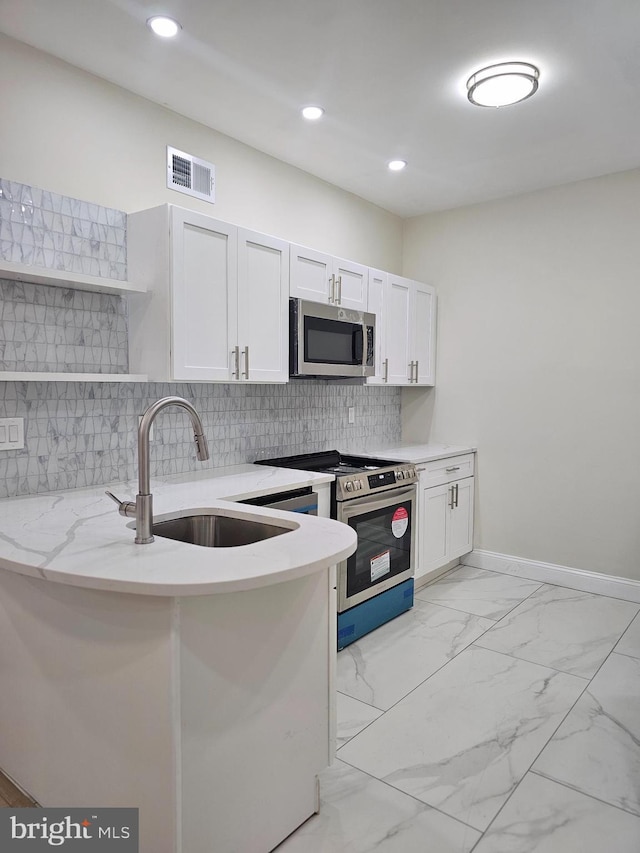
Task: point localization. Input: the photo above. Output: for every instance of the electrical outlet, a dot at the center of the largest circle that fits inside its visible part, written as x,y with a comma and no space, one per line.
11,433
352,415
153,426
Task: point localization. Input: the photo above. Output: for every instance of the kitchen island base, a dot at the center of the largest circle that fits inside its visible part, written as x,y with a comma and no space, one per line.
209,713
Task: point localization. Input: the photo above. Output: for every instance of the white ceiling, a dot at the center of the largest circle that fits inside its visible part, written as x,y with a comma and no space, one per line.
390,75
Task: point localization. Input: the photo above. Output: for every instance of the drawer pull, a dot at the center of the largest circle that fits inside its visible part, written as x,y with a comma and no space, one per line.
454,468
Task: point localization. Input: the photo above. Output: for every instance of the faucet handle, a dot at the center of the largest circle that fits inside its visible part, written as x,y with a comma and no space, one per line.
126,508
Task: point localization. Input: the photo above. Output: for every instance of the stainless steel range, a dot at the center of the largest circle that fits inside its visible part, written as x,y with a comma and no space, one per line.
377,497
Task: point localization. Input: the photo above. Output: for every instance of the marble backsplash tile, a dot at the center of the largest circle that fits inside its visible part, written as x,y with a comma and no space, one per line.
80,434
46,329
45,229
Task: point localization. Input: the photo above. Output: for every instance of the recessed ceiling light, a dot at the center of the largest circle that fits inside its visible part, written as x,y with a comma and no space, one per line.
502,84
165,27
312,113
397,165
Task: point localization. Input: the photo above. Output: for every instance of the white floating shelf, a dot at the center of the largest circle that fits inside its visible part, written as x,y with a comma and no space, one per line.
32,376
62,278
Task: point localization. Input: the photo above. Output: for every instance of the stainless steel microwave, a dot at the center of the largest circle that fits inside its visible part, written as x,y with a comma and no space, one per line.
330,341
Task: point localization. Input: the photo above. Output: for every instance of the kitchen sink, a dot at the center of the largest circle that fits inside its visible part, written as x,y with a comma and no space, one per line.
212,530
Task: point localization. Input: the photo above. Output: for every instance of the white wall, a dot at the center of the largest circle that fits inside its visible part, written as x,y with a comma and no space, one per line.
539,365
64,130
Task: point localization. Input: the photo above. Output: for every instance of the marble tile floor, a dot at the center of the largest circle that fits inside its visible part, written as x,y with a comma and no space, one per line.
497,716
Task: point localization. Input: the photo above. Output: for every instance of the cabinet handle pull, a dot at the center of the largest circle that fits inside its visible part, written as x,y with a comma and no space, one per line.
421,469
457,486
235,353
417,363
339,291
453,468
332,290
246,362
451,503
410,371
385,375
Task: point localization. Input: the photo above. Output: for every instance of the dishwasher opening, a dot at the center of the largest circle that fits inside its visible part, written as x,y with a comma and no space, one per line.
299,500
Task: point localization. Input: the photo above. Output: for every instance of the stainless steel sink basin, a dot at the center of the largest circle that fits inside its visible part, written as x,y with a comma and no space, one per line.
216,531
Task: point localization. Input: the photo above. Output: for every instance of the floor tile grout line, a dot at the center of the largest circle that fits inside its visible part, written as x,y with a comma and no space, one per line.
586,678
633,619
583,793
411,797
368,704
529,768
456,609
493,619
413,689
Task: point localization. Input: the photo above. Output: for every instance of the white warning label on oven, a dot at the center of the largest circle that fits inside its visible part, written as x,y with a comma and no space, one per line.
380,565
399,522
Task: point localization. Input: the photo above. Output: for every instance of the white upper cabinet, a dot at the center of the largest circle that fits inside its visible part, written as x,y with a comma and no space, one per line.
423,334
319,277
218,311
406,313
203,296
351,285
377,305
398,322
310,274
263,307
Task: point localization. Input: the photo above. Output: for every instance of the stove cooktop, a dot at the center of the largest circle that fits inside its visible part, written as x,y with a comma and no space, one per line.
330,462
354,475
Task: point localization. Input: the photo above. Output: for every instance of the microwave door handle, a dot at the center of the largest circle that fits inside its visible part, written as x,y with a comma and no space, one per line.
358,345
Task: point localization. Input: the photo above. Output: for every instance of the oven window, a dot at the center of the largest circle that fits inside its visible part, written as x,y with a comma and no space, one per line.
384,546
332,341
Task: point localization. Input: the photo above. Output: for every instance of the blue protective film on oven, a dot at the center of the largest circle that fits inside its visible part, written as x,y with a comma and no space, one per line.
359,620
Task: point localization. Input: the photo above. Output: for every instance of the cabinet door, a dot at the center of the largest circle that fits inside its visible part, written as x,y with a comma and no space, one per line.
204,296
423,337
377,305
397,329
263,307
351,283
433,528
460,532
311,273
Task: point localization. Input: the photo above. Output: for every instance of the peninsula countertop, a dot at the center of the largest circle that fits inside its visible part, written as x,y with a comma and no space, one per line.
77,537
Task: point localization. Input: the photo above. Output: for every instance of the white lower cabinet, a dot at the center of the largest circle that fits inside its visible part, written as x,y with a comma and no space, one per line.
218,310
445,513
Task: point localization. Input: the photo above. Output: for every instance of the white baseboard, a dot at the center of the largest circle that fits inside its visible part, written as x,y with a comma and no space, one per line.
614,587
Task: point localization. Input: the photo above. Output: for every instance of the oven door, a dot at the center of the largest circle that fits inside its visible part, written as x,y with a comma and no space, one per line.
385,554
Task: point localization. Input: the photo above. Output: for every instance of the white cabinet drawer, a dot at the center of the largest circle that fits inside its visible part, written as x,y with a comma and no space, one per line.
442,471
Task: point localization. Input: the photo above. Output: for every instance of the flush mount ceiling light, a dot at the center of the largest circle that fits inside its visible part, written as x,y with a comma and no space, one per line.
396,165
502,84
164,27
312,113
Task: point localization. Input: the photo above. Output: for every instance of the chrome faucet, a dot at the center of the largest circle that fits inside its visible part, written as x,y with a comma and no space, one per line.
142,509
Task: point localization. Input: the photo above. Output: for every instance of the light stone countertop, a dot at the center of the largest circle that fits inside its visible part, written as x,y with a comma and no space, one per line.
77,537
416,453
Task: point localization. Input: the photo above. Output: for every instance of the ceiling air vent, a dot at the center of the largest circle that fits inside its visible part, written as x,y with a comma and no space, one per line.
188,174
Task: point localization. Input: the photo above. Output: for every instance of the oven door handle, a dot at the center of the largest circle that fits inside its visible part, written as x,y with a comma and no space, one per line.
350,508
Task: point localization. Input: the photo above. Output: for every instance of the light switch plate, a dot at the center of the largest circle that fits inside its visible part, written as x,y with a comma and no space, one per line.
11,433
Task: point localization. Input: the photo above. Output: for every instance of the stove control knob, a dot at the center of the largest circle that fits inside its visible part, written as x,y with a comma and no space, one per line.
349,486
400,475
358,484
